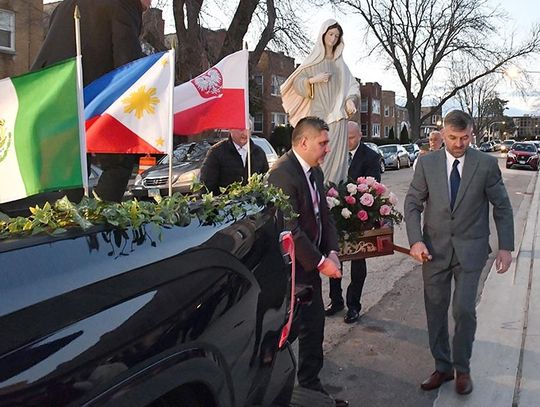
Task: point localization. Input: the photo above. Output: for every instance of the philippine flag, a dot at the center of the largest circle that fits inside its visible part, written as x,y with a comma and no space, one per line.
216,99
128,110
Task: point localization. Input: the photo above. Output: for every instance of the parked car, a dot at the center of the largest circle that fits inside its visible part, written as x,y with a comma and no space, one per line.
395,156
523,155
187,162
376,148
185,316
496,145
413,151
486,146
506,145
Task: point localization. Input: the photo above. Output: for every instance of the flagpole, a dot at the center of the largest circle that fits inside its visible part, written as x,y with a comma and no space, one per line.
80,101
172,60
247,124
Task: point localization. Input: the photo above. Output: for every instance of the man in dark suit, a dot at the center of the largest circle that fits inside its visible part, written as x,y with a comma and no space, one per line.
298,174
363,162
453,188
226,161
110,32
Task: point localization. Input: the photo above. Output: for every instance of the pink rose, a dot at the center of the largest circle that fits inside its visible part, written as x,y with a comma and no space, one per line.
350,199
367,199
362,215
393,198
362,188
332,192
361,180
380,189
385,210
370,181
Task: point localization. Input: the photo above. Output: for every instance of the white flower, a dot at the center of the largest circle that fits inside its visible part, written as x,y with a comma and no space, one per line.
330,202
337,202
392,198
352,189
346,213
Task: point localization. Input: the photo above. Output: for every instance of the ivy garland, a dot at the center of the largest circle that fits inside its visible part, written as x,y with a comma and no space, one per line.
234,202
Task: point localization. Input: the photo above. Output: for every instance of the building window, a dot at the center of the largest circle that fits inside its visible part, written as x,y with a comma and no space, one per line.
386,131
376,130
376,106
258,122
279,119
386,111
259,81
364,105
7,30
277,81
363,128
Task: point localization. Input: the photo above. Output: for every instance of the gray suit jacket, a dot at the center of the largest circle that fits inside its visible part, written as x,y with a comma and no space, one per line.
465,229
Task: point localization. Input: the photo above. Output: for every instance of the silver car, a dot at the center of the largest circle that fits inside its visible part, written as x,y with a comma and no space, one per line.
187,162
395,156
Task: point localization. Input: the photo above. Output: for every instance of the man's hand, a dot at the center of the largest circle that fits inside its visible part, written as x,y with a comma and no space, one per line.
334,257
503,261
420,252
329,269
350,107
321,77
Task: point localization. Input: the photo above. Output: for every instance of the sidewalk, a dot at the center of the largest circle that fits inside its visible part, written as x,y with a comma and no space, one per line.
505,365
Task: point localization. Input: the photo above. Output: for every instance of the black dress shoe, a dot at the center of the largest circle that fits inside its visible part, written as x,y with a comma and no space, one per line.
341,403
333,309
351,316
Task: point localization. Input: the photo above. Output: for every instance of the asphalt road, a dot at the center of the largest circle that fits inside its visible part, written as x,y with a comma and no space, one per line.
381,359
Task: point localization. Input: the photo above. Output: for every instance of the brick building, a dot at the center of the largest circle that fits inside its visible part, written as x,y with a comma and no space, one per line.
388,116
433,122
370,109
526,127
21,34
271,71
402,120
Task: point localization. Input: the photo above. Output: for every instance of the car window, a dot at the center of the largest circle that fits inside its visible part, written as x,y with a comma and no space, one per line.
265,145
388,149
188,153
409,148
524,147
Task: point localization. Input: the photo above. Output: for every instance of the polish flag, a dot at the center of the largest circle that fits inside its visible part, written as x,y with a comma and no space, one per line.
216,99
128,110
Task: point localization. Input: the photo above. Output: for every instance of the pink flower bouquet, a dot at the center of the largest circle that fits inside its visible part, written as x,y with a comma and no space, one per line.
362,205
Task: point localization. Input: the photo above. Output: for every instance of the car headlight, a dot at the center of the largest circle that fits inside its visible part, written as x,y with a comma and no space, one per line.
511,155
187,177
138,180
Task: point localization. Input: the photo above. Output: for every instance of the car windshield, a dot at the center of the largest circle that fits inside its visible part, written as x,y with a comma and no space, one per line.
265,145
409,148
508,142
524,147
187,153
388,149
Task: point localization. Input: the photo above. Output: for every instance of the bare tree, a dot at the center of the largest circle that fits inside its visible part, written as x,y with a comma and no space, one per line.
273,21
421,38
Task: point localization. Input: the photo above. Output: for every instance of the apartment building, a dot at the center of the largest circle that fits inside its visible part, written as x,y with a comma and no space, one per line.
370,110
21,34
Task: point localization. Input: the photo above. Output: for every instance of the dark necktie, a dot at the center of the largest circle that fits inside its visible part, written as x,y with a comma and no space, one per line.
315,201
350,158
454,183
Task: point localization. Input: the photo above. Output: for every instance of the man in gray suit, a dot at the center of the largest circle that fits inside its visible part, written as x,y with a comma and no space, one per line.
453,188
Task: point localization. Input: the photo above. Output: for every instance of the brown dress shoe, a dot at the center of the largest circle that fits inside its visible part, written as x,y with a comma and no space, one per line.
463,383
436,380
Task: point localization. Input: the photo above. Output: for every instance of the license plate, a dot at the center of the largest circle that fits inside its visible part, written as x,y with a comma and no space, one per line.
521,161
153,192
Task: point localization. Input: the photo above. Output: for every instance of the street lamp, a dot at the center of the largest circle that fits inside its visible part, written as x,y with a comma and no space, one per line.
489,129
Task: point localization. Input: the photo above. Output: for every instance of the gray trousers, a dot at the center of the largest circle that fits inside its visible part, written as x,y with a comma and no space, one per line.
437,292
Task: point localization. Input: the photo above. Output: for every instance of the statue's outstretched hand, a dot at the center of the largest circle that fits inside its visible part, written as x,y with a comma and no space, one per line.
350,107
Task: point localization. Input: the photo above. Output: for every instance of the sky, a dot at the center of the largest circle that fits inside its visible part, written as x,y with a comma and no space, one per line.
372,69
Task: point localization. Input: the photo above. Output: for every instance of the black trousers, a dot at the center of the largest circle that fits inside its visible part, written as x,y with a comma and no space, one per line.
113,181
354,291
309,329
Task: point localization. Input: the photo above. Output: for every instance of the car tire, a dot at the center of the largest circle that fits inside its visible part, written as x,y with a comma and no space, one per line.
398,164
409,163
508,166
383,168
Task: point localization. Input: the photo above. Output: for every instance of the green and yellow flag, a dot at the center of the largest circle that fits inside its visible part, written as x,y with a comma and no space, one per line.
39,132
